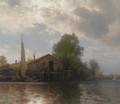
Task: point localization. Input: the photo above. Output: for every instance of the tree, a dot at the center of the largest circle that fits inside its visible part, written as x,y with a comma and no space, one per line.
94,65
15,67
69,52
3,60
29,59
85,73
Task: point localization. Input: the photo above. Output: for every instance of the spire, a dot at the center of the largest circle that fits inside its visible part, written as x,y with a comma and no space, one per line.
21,38
34,57
23,61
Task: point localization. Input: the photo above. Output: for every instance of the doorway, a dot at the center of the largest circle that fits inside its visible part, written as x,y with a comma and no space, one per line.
51,66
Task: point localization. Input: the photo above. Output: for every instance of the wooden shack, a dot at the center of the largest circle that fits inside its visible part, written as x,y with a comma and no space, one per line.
45,67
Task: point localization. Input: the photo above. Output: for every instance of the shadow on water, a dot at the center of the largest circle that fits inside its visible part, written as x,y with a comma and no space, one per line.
70,94
64,93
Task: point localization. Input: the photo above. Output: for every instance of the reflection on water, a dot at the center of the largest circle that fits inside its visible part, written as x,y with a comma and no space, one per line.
98,92
39,94
101,92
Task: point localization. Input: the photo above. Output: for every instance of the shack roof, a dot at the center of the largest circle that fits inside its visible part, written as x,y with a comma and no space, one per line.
38,59
5,67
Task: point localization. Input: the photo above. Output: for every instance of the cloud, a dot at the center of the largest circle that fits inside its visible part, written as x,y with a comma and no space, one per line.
95,19
12,2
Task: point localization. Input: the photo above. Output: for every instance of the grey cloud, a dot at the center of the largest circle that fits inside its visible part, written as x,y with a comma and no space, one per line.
96,19
85,19
13,3
96,24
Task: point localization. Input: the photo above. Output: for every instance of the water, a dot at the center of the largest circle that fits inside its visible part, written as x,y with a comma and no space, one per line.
91,92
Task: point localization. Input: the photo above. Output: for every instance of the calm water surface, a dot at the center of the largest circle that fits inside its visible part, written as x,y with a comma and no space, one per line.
94,92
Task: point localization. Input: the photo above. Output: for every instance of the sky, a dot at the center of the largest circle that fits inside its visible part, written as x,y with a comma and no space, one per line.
43,22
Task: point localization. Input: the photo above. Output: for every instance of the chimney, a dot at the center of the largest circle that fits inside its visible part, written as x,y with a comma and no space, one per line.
34,57
15,61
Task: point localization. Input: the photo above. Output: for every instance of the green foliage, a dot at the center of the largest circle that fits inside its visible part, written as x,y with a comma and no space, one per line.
3,60
84,73
94,65
68,51
15,67
29,59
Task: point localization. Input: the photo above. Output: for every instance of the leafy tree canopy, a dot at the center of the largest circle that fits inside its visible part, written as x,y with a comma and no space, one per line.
94,65
69,51
15,67
29,59
3,60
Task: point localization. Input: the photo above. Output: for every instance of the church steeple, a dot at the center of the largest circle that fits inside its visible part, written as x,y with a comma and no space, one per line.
23,60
